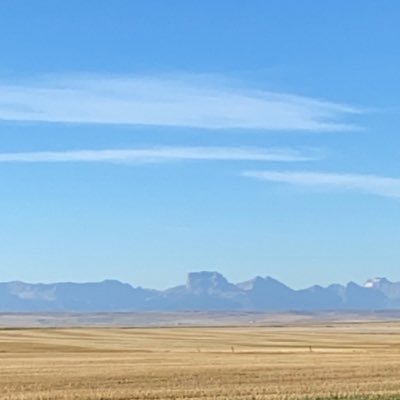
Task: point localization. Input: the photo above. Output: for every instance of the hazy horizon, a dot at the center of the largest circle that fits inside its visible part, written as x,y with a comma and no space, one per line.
183,279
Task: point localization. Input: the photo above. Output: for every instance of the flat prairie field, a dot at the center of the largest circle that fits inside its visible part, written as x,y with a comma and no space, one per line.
349,360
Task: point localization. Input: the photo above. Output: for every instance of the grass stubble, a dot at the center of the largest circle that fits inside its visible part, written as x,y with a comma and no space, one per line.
340,360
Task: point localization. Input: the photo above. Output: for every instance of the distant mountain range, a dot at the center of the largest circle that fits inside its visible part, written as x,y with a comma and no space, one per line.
203,291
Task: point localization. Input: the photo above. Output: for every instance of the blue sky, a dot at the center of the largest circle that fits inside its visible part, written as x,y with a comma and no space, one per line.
141,140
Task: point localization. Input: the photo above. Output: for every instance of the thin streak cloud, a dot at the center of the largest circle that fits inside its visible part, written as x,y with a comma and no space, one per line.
368,184
163,154
186,101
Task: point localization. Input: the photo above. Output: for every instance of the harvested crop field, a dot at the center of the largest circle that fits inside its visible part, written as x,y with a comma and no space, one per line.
308,361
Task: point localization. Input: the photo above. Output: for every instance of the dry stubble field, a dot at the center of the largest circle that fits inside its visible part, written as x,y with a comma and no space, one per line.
361,359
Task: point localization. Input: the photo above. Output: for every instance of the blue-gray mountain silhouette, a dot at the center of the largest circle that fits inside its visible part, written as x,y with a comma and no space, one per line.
203,291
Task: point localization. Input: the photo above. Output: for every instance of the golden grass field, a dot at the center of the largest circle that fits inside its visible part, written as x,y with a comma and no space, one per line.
346,359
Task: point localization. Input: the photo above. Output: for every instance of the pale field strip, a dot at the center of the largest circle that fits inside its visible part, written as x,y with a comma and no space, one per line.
246,363
190,318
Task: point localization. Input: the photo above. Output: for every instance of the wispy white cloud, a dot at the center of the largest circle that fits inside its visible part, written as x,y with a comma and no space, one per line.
163,154
370,184
185,101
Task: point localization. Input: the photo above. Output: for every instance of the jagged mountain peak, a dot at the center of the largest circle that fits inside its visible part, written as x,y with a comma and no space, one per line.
259,283
390,289
207,281
251,284
374,282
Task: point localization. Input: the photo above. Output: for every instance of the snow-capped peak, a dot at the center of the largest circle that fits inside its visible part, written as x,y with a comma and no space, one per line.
374,282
